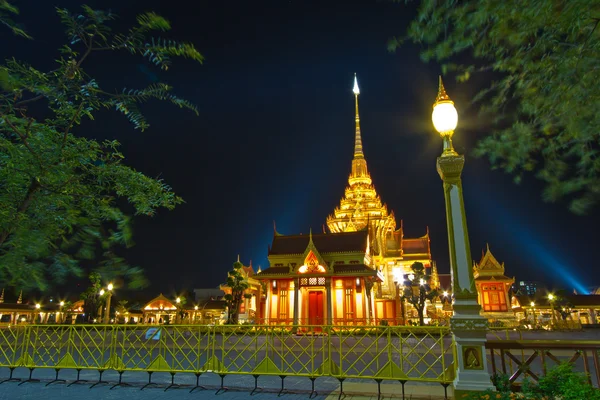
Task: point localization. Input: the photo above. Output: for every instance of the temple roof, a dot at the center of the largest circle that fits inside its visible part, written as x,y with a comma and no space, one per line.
325,243
353,268
416,246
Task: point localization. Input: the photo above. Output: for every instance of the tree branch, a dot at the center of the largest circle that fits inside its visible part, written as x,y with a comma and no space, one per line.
66,134
34,186
87,52
23,138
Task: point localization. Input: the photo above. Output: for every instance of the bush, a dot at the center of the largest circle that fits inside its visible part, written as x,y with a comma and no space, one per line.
561,382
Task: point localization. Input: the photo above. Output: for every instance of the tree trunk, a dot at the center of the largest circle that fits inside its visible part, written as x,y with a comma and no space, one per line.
421,318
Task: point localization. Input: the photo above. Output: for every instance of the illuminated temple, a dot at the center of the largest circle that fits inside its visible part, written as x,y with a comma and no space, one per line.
349,275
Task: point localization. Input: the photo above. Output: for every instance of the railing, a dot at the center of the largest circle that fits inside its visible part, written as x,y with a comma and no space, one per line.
532,358
403,354
409,321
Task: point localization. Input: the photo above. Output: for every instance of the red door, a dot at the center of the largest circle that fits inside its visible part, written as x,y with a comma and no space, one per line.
315,309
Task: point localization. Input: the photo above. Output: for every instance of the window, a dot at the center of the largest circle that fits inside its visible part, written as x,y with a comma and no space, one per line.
494,298
339,263
349,304
354,262
313,281
283,303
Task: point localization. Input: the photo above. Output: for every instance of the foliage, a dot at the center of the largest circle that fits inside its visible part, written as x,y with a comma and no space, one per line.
237,283
6,9
121,310
542,59
180,309
561,382
92,300
64,195
417,289
65,310
561,304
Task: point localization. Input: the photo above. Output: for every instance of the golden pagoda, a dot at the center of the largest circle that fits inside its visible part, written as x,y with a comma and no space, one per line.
361,208
361,205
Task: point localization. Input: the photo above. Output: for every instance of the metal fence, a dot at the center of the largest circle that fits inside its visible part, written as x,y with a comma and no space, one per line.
425,354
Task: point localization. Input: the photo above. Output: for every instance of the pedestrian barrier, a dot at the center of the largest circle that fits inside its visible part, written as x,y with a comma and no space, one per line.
404,354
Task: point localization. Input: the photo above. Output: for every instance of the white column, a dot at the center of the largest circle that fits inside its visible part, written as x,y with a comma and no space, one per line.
468,327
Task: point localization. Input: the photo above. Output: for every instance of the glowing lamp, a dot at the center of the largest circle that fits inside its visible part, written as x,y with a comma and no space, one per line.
102,292
110,286
445,294
532,304
196,308
62,303
422,282
444,117
178,300
38,306
551,297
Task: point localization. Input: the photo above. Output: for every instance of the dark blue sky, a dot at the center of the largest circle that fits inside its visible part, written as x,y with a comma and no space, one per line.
274,138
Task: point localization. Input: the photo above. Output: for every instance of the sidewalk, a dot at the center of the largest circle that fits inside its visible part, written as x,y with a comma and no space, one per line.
239,387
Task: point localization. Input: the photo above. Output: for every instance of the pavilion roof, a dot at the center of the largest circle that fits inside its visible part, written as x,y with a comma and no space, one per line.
345,242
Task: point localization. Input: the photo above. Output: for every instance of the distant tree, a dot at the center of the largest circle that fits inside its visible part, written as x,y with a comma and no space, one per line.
122,310
92,300
65,197
541,58
181,312
417,290
238,284
561,304
65,311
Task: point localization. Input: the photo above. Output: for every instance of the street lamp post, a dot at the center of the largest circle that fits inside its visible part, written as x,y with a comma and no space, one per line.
552,299
468,327
108,298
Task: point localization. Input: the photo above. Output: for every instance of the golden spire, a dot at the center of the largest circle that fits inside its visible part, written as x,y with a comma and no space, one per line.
358,151
20,299
442,95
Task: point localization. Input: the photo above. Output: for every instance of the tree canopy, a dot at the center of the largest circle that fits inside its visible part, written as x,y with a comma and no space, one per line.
66,198
541,59
237,284
417,289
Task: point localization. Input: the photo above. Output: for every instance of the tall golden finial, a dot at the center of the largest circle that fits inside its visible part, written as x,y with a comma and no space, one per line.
20,299
358,150
2,296
442,95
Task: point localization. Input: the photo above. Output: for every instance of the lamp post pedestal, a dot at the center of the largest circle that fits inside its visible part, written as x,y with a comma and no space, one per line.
468,327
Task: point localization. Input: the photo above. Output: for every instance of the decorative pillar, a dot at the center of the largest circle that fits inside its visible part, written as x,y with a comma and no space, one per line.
329,303
296,291
268,303
368,288
468,327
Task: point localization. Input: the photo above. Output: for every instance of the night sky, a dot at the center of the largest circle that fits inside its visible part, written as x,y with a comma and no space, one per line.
274,139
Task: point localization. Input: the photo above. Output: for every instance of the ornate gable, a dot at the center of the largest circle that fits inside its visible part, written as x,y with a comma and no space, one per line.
488,266
313,262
